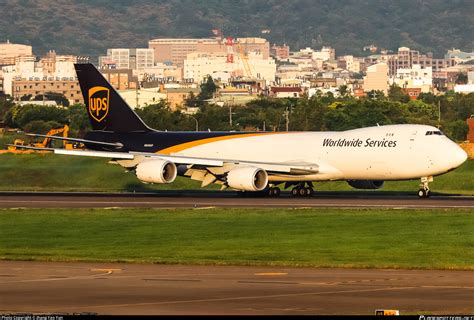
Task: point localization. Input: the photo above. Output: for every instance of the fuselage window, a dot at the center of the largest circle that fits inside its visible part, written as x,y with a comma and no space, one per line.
437,133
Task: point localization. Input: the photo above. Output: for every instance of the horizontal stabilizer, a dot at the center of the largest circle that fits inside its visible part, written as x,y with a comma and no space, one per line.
102,143
19,146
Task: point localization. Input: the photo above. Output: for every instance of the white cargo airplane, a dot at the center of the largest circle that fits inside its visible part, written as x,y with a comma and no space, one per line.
260,161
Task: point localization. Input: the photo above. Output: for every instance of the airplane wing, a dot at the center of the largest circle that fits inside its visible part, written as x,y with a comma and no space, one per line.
296,168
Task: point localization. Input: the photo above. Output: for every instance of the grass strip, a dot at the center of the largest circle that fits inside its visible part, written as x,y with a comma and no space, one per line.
425,239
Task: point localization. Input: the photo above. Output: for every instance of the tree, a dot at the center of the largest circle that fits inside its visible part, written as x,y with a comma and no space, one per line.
376,94
395,93
343,91
208,88
457,130
191,101
59,98
461,78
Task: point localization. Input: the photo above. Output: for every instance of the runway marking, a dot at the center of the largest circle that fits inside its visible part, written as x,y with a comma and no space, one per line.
238,298
265,282
93,276
270,274
108,271
174,280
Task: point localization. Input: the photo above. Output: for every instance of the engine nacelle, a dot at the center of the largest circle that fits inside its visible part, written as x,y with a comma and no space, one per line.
156,171
366,184
247,178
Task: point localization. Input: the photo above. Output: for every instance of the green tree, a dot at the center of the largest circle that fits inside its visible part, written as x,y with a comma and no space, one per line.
59,98
343,91
395,93
208,88
456,130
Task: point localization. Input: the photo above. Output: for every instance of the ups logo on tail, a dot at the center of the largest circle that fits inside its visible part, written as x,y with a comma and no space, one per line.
98,103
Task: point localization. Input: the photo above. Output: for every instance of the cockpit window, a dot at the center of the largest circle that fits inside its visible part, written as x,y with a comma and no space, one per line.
436,133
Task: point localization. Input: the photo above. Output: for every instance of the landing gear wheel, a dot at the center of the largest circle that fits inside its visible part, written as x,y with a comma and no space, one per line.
302,192
424,193
274,192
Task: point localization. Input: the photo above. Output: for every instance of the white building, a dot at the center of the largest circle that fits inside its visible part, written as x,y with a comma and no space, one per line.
464,88
415,77
198,65
139,58
325,54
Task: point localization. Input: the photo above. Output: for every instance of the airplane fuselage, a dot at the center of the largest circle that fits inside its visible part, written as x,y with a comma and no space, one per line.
392,152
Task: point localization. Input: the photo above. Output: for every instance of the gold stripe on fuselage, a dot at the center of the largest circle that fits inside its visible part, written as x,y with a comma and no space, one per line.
195,143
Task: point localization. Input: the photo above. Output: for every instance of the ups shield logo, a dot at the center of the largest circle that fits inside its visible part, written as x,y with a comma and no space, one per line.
98,103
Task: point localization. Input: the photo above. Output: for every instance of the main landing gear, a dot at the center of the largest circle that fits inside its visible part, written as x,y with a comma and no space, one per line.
300,190
424,191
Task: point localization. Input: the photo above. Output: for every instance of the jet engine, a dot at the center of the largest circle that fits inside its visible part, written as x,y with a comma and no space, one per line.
156,171
247,178
365,184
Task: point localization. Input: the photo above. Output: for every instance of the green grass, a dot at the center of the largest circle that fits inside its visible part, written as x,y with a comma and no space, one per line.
46,172
440,239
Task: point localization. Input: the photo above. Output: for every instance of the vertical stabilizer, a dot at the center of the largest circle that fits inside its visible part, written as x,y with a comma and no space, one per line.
106,109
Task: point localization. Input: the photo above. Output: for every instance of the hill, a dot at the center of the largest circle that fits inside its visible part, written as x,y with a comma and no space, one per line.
87,27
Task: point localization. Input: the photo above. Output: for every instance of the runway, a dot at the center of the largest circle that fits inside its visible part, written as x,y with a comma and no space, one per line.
190,199
133,289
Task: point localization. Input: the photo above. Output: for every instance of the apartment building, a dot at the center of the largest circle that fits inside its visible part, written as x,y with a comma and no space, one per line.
135,58
406,58
52,73
9,51
175,51
68,87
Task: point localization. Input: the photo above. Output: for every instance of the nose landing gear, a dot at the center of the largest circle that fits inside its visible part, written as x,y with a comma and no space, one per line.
424,191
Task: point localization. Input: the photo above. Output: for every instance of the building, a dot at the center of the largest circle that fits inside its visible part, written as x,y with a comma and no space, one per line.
177,96
376,78
120,58
349,63
58,65
68,87
280,52
141,98
286,92
325,54
120,79
464,88
415,77
9,51
459,56
52,73
199,65
406,58
175,51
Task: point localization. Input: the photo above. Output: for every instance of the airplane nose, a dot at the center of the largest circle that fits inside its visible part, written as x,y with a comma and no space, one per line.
459,156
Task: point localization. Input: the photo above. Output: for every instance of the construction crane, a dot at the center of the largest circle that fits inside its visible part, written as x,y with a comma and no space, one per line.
245,60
